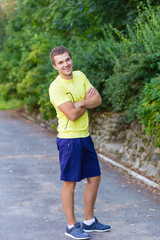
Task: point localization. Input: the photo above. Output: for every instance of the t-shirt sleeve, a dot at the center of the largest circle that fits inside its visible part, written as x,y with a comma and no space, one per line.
57,95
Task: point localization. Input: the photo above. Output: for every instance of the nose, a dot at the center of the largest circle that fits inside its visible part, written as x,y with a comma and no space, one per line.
65,63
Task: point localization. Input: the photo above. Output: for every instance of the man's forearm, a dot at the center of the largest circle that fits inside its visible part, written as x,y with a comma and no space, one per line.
71,111
77,113
92,102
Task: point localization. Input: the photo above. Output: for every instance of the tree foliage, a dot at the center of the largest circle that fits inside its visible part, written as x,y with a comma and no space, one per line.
115,43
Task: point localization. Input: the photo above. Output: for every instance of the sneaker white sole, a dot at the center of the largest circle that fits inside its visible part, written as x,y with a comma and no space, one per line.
69,235
88,231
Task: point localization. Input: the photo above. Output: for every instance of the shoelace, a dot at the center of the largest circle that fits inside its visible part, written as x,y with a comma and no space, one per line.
98,225
78,230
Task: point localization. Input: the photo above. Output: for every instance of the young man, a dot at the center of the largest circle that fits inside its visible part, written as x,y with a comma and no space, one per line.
72,94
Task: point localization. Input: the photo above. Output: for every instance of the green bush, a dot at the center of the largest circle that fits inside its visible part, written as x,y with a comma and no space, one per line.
136,62
149,110
7,90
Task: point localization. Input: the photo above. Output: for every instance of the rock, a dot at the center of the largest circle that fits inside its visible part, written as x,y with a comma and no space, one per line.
99,121
155,159
157,151
152,171
144,167
125,158
136,163
158,174
121,136
143,156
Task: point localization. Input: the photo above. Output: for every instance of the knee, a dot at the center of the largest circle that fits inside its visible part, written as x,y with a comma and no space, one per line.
94,180
98,179
69,186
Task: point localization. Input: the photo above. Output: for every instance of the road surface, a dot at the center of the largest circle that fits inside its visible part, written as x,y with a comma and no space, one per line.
30,191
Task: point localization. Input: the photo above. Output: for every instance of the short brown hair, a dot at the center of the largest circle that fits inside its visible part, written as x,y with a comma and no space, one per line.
58,51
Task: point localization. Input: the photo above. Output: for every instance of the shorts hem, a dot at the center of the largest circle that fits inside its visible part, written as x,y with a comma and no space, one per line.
79,180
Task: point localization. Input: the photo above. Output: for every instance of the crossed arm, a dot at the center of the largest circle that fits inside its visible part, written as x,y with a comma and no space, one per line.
75,110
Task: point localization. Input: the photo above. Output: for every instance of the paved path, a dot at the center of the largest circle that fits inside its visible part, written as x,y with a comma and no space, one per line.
30,201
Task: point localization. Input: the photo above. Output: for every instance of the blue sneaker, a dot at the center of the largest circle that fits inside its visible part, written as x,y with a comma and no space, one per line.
76,232
96,227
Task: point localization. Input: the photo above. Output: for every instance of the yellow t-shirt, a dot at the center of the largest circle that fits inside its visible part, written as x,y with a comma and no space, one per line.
63,90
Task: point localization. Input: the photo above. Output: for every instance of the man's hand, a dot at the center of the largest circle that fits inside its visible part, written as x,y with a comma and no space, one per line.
92,99
90,93
78,104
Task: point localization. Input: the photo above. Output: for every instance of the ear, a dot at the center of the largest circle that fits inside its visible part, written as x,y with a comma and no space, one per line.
54,66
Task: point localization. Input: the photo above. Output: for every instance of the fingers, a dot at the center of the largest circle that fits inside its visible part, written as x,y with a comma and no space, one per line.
76,105
91,92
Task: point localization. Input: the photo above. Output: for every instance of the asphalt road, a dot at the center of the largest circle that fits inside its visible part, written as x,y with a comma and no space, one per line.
30,191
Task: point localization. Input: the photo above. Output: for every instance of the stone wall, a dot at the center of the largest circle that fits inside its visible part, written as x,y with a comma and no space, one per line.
127,144
139,152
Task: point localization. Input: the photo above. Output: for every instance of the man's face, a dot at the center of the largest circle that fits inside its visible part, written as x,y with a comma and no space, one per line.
64,65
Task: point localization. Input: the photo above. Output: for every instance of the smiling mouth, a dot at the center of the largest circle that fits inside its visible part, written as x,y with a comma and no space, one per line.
67,69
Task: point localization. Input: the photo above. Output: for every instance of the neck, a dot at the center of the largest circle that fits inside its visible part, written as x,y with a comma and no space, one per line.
67,77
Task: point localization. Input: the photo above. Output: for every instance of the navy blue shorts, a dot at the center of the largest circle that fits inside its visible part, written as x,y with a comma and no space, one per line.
78,159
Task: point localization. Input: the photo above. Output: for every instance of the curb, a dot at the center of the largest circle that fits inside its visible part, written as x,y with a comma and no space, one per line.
134,174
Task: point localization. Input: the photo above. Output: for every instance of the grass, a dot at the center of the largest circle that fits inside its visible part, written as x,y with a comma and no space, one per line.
10,104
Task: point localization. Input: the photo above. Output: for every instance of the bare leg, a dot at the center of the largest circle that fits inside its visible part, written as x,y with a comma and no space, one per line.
68,201
90,195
